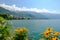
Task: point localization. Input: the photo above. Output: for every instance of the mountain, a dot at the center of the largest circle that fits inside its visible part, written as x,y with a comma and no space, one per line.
7,14
21,14
29,14
52,16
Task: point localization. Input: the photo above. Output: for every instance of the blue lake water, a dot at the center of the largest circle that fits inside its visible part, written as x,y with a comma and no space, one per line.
36,26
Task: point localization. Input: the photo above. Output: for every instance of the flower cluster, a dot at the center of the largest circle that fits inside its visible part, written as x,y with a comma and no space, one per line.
49,34
21,34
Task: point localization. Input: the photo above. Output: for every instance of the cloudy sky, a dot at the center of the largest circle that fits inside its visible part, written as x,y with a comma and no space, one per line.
52,6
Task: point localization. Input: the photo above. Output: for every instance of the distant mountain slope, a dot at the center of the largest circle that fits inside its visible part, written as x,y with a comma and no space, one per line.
52,16
7,14
29,14
26,14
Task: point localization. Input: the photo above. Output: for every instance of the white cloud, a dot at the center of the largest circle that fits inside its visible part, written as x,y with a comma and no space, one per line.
14,7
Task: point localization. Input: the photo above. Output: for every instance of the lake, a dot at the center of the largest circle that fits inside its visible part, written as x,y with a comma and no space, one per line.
36,26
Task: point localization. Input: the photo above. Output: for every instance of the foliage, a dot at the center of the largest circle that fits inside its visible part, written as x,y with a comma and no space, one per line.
4,29
21,34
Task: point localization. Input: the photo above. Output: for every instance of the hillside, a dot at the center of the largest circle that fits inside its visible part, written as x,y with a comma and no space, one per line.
9,14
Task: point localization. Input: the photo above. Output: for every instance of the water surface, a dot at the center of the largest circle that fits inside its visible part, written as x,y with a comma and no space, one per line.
36,26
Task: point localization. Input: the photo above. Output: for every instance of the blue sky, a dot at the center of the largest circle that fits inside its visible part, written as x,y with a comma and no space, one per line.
46,4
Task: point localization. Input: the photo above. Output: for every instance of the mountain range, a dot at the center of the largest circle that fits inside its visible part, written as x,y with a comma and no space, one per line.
30,14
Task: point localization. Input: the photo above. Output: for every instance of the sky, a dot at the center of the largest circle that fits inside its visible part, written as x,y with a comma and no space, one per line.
38,4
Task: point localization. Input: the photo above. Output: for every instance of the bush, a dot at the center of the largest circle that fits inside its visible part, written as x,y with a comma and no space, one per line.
21,34
4,29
